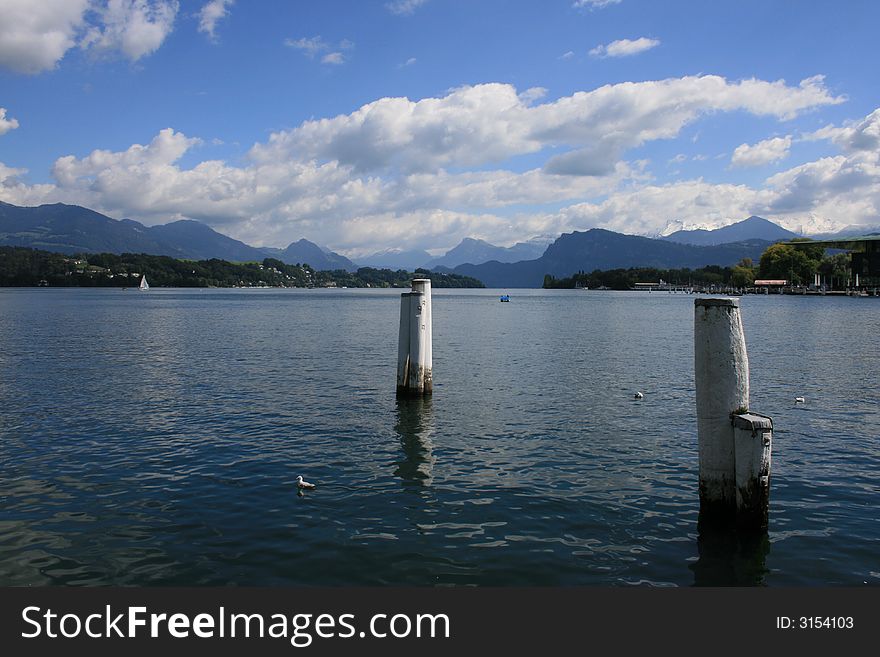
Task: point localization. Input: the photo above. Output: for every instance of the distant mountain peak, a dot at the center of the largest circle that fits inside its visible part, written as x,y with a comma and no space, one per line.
752,228
677,225
755,219
475,251
396,258
305,252
814,225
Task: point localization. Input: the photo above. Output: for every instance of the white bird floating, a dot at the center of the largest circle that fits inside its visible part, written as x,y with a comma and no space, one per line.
799,400
638,395
303,484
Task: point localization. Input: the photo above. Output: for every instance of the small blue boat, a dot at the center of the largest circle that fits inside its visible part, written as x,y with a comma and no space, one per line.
505,297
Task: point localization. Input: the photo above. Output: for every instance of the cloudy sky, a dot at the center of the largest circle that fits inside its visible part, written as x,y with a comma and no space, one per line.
365,125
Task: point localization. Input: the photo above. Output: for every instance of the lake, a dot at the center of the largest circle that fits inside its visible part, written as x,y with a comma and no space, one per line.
154,438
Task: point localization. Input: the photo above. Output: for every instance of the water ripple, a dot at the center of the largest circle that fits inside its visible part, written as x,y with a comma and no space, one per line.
156,439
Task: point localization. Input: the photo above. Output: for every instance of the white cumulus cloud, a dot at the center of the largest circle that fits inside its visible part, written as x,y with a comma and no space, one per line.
35,35
211,14
863,135
8,175
844,187
647,209
624,47
425,173
827,194
6,124
135,27
764,152
487,123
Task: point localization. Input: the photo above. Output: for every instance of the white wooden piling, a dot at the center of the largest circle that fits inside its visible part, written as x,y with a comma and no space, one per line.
721,377
423,285
752,437
414,346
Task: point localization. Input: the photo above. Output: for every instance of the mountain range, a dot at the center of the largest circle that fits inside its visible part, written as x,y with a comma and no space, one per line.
469,250
849,231
474,251
604,249
73,229
305,252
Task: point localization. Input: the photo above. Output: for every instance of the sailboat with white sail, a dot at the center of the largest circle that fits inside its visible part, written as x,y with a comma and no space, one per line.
144,285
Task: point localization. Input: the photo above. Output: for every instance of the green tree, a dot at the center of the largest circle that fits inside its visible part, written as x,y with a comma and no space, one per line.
744,273
783,261
742,276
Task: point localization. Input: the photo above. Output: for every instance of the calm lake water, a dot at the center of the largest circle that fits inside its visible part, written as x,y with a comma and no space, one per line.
155,439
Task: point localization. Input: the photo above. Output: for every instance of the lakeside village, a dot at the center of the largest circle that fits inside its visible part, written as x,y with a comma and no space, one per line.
25,267
807,267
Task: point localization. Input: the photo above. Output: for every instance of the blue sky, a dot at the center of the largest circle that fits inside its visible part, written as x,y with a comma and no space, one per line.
367,125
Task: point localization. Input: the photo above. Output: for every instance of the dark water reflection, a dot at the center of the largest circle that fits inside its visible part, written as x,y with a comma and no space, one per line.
730,558
415,424
154,439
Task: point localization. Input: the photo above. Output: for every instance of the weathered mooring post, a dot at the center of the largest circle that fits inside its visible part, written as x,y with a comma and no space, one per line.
734,445
414,345
752,438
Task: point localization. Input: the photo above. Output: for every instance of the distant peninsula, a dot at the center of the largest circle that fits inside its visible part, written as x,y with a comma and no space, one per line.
26,267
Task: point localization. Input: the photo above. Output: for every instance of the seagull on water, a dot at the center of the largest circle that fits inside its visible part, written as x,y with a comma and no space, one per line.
303,484
638,395
799,400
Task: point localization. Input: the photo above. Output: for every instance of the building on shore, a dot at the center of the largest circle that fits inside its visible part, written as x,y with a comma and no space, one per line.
864,258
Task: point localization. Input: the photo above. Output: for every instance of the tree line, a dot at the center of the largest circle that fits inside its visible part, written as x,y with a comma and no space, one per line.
799,264
625,279
24,267
796,264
